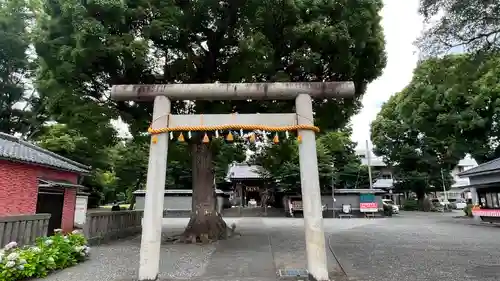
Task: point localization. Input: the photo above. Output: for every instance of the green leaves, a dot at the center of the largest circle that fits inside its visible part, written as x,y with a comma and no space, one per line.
446,112
85,47
281,162
16,116
463,25
47,255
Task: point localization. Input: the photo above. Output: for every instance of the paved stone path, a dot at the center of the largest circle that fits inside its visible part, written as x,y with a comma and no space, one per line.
409,247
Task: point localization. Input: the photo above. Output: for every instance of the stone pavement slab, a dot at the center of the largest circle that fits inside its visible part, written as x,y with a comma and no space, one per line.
288,241
248,256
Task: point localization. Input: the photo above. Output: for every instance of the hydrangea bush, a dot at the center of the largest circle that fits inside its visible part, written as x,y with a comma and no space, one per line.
46,255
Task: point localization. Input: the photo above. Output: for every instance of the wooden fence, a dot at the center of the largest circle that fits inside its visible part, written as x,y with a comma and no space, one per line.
99,227
23,229
106,226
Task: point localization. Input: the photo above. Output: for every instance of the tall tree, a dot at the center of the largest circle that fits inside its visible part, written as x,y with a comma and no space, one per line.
18,110
130,161
337,163
82,48
75,145
88,46
449,109
467,25
348,171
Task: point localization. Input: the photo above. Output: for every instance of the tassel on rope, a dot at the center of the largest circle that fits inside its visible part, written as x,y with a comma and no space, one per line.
252,138
206,139
229,137
154,139
276,139
180,138
299,139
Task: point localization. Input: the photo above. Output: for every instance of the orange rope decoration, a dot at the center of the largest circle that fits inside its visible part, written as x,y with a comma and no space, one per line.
233,127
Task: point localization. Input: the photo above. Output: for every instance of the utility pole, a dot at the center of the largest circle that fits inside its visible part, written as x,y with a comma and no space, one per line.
444,186
369,158
333,190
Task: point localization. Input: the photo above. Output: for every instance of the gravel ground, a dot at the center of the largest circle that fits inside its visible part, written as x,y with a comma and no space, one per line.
411,246
420,247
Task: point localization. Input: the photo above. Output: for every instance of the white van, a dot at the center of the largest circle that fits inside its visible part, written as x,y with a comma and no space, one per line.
459,203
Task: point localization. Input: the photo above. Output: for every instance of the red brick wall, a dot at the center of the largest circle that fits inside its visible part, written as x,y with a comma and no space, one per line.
68,215
55,175
19,190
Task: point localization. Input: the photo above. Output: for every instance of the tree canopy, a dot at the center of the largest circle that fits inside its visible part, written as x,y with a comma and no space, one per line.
469,25
60,58
85,47
19,109
337,163
449,109
117,42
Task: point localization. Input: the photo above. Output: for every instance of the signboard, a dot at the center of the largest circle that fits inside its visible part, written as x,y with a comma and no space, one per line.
367,203
486,212
297,205
346,209
81,209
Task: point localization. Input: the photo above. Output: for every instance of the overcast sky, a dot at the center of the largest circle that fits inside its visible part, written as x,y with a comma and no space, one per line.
402,25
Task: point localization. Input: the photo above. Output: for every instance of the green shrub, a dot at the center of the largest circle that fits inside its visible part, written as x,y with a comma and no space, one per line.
411,205
48,254
468,210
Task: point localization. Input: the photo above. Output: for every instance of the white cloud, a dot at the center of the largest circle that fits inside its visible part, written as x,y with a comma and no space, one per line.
402,25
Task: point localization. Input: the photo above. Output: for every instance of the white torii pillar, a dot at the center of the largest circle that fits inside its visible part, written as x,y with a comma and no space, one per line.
303,93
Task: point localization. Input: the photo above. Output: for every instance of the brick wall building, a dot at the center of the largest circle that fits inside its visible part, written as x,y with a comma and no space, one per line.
34,180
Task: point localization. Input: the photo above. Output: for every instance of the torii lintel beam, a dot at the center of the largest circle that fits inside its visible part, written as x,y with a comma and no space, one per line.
233,91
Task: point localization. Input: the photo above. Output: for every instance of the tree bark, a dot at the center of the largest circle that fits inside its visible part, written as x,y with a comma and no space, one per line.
205,224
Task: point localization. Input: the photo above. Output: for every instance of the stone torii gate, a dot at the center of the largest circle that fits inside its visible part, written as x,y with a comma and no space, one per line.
303,93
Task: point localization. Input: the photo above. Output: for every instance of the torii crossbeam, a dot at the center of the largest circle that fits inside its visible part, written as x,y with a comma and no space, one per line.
303,93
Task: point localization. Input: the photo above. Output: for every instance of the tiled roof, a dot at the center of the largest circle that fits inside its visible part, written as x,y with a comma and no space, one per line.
488,167
12,148
243,171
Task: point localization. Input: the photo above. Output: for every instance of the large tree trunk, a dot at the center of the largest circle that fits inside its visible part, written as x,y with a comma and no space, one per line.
205,224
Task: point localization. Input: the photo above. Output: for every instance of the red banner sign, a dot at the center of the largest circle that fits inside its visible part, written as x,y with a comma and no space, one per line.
368,207
486,212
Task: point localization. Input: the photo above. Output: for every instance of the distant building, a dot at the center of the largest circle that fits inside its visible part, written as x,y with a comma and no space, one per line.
246,182
457,188
382,173
385,179
484,190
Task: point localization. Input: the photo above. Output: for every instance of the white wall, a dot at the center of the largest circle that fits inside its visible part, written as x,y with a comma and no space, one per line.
81,209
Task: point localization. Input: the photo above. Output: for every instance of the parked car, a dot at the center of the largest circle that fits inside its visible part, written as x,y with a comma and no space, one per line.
458,204
442,205
389,202
439,201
